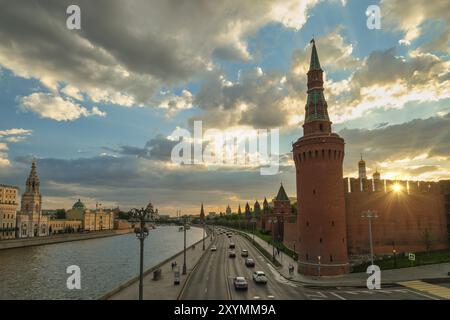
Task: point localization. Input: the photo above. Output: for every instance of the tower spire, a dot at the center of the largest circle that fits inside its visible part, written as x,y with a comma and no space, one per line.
316,109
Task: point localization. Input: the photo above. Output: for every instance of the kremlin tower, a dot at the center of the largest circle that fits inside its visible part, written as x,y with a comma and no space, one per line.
318,156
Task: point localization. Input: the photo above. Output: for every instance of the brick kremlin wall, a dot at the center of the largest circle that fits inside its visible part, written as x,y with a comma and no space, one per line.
403,216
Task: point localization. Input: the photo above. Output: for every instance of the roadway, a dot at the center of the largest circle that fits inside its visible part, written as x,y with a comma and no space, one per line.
212,279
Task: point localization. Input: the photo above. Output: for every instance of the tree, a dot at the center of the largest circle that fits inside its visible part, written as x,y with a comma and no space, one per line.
428,240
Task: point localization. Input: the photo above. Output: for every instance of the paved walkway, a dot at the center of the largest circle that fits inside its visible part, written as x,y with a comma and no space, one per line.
434,271
164,289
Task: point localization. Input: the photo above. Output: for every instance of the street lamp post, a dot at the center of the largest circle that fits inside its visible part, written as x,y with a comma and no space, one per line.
370,214
142,215
394,252
319,257
184,259
203,235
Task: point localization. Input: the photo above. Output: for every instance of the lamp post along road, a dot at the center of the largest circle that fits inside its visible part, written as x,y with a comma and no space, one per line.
370,214
142,216
184,259
203,235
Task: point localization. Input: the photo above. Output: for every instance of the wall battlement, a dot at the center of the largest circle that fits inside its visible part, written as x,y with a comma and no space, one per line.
356,185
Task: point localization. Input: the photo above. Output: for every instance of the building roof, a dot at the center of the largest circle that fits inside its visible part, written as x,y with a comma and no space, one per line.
79,205
282,196
314,63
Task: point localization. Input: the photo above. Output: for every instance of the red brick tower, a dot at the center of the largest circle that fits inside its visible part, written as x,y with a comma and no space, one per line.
318,157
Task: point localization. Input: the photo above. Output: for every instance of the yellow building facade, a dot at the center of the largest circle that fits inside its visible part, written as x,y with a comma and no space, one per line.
91,220
8,211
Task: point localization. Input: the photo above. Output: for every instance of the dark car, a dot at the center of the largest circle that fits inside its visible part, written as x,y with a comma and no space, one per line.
232,254
249,262
232,245
244,253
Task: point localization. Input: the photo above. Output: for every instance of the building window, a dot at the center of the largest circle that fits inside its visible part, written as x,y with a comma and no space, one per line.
307,257
320,240
321,127
332,223
331,258
314,191
307,223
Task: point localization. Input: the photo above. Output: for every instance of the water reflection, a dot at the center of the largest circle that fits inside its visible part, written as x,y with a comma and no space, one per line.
40,272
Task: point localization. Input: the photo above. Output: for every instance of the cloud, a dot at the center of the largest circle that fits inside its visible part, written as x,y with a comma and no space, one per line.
11,136
173,103
130,181
256,99
48,105
385,80
334,53
409,16
125,52
419,149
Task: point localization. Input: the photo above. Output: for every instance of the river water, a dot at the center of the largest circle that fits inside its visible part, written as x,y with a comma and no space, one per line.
40,272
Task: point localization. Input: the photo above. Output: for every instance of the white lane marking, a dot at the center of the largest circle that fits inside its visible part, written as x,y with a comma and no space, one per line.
336,295
206,290
423,295
271,297
256,297
351,292
317,296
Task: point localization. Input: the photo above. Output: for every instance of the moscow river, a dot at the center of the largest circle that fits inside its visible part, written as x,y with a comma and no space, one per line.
40,272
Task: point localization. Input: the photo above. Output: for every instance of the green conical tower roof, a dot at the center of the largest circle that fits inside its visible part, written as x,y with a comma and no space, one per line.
282,196
314,63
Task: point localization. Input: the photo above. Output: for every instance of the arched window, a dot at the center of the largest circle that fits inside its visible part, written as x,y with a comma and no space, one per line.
321,127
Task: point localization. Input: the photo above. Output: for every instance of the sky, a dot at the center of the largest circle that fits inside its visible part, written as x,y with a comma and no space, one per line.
97,107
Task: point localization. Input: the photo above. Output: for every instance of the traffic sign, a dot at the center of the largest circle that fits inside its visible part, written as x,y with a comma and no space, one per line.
412,257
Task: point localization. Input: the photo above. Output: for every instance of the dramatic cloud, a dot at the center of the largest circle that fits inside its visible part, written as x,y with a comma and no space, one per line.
409,16
129,180
416,149
47,105
124,52
388,81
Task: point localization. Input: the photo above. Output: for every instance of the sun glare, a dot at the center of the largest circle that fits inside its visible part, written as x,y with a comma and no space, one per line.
396,187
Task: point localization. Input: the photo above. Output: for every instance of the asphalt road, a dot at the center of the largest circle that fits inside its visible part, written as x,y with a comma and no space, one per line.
213,280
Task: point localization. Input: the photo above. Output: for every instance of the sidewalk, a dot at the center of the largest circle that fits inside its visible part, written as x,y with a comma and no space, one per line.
164,288
434,271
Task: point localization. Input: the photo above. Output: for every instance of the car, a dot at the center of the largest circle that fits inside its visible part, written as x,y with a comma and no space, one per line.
249,262
244,253
259,277
213,248
232,245
240,283
229,236
232,254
